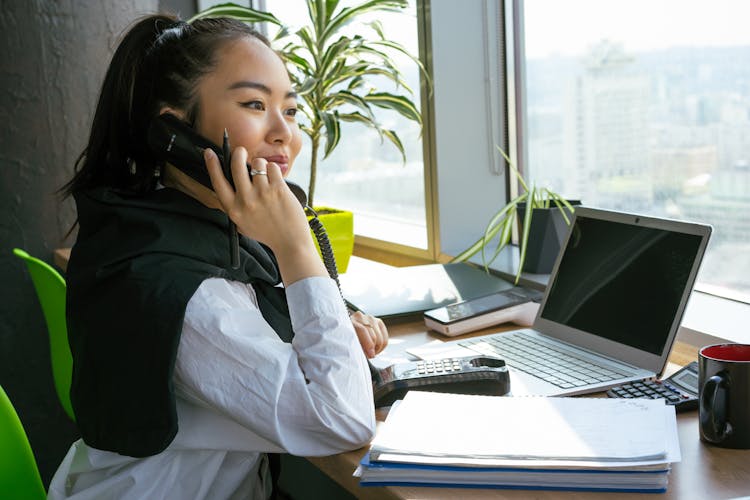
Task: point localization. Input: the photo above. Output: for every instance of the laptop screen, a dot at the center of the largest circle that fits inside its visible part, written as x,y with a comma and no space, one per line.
622,281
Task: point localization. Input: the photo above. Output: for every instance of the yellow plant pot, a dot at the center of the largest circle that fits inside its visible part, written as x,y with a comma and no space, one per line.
339,225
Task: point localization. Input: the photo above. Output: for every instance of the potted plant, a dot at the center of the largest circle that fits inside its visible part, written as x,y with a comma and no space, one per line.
537,213
330,71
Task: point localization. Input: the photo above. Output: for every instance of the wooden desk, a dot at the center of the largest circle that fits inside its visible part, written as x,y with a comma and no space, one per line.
704,472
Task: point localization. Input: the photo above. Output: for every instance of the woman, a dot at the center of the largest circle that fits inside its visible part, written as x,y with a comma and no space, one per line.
186,370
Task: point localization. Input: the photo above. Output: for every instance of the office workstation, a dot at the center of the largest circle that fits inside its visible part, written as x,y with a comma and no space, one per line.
704,471
641,121
694,473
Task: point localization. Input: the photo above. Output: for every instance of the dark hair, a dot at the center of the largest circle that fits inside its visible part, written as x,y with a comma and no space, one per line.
158,62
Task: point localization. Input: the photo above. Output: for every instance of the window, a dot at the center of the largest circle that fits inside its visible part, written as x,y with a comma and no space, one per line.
364,174
645,106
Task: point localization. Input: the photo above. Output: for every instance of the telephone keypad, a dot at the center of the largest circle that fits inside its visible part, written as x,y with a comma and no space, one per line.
447,365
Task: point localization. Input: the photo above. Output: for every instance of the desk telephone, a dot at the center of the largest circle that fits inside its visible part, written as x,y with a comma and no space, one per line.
466,375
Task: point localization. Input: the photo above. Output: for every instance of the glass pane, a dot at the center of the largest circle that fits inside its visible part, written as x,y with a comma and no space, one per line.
364,173
645,106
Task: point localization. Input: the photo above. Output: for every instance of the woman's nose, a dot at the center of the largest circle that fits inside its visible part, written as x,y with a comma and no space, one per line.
279,129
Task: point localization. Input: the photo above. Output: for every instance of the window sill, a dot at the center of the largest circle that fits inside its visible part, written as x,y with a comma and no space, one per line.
377,227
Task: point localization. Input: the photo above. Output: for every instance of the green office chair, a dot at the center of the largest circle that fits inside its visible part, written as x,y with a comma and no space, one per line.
19,475
50,289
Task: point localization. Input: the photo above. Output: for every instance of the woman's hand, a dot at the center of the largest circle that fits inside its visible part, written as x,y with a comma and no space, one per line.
265,210
371,331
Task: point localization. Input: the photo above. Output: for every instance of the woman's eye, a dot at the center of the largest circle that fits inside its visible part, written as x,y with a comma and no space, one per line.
292,112
253,105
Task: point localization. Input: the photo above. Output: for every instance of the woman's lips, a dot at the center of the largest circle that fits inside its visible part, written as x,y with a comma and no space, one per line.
281,161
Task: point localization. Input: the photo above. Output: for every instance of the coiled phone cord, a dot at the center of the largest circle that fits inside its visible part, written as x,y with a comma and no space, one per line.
330,262
325,249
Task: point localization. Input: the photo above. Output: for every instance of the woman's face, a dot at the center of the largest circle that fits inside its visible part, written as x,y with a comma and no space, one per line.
249,93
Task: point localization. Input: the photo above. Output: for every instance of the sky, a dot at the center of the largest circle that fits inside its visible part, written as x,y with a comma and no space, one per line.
568,27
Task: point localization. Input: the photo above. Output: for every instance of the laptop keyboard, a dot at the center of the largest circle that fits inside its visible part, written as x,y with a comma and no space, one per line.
542,358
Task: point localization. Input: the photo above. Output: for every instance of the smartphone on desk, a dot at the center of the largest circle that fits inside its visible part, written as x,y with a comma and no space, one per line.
680,390
518,305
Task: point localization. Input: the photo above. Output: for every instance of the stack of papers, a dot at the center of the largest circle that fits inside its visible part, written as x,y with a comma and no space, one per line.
590,444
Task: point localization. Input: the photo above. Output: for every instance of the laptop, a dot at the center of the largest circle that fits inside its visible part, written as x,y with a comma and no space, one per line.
611,311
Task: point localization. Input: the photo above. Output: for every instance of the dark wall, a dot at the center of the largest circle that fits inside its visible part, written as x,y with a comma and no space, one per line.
52,59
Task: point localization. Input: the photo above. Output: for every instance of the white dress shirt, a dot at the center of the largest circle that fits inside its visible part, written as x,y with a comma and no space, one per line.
242,392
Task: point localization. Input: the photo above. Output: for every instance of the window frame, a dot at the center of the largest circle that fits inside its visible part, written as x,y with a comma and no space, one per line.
711,316
701,324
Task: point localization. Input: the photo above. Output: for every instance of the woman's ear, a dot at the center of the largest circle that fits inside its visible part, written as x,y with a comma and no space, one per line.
173,111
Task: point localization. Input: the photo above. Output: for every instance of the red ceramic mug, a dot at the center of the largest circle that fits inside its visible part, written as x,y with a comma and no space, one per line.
724,392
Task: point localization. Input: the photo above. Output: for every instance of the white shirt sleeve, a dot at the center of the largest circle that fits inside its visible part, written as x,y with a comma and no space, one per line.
311,397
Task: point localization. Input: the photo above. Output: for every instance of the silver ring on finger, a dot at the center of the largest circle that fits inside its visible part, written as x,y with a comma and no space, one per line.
254,172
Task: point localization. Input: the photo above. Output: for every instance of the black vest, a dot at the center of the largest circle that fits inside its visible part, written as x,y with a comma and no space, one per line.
134,266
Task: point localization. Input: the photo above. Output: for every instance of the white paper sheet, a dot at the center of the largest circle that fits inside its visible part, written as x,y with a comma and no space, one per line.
605,430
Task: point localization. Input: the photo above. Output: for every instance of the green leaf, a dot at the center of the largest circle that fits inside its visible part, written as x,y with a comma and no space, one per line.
364,120
499,221
389,68
282,33
493,227
400,48
503,240
314,10
513,169
307,86
490,234
358,117
333,131
307,130
235,11
562,204
321,12
299,62
309,43
356,83
393,137
394,77
470,252
397,103
334,53
346,15
343,73
330,8
345,97
377,27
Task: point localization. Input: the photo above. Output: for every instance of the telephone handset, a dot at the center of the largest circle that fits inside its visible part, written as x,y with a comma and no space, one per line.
175,141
